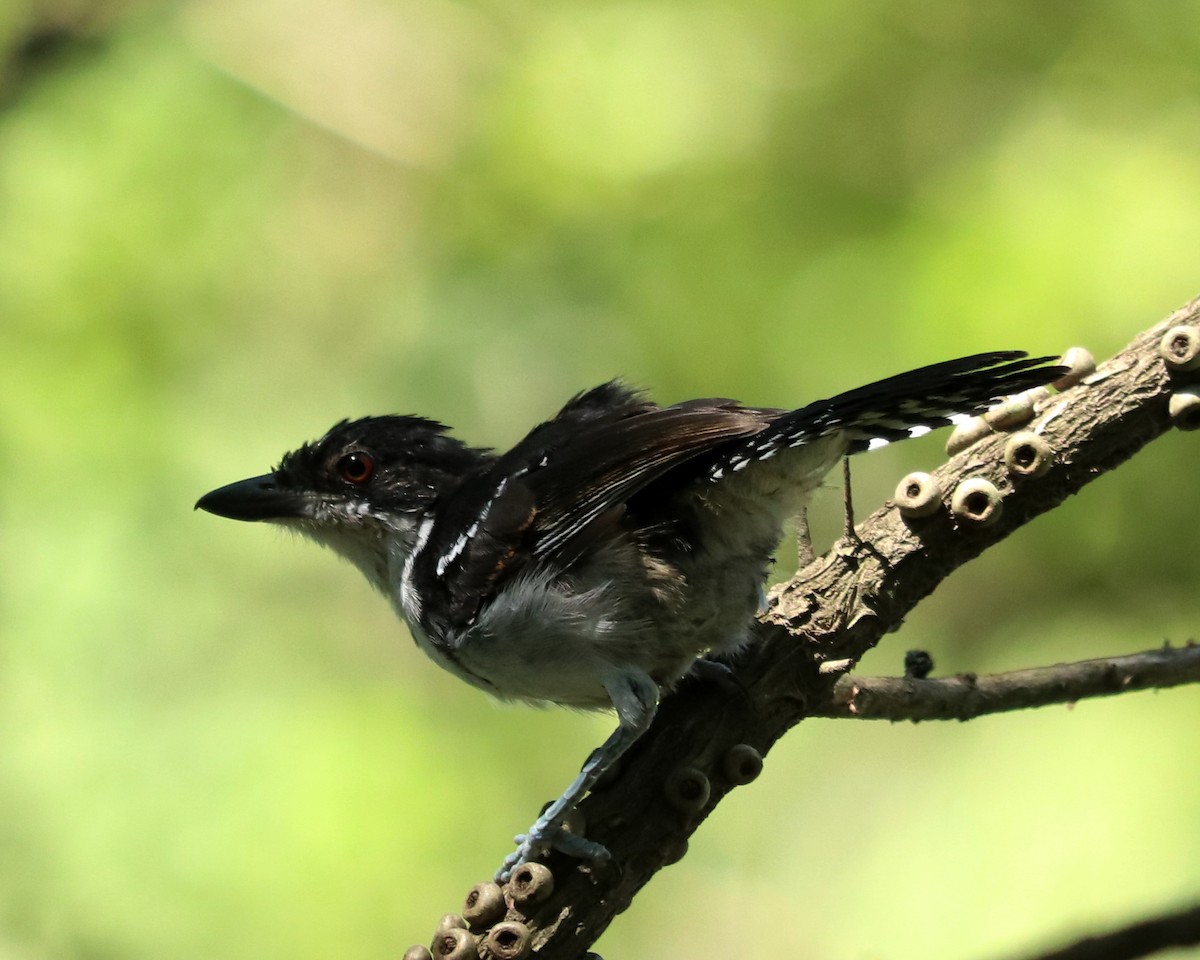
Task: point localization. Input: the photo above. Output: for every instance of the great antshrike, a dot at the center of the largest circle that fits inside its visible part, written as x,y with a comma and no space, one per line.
596,561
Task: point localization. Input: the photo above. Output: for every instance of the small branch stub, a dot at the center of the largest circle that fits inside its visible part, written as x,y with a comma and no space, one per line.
1027,455
1184,408
510,940
918,495
531,883
454,944
484,905
1180,348
451,921
688,790
967,434
1081,363
674,850
976,502
742,764
1012,412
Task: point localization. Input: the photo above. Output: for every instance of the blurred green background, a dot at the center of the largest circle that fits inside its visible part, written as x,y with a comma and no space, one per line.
226,224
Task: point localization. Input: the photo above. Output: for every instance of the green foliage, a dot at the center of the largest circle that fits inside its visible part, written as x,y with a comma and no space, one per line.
230,225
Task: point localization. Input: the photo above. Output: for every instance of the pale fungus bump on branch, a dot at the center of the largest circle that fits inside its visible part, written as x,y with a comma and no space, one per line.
1180,348
1184,408
1081,365
976,502
968,432
454,943
918,495
491,926
510,940
1180,352
530,884
484,905
1026,454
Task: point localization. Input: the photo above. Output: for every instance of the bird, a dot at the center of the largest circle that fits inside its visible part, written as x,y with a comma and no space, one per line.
611,551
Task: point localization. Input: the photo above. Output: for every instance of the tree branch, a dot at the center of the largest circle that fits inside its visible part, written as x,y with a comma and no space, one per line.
967,696
1181,929
819,624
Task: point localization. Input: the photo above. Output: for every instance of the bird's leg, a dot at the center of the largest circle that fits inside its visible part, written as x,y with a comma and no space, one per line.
635,697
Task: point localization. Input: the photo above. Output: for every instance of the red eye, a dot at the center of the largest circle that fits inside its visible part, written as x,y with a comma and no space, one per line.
356,467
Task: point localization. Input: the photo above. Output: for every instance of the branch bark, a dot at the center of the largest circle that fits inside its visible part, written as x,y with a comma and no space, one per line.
967,696
821,622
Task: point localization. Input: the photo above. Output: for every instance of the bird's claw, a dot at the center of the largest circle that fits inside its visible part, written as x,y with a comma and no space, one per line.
541,839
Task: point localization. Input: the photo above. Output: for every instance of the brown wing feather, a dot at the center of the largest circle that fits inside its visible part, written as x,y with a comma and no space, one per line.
605,463
565,486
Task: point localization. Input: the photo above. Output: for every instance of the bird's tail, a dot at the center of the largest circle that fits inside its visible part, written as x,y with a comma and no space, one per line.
906,405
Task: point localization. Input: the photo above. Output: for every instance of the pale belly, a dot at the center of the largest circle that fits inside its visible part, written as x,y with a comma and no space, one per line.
545,642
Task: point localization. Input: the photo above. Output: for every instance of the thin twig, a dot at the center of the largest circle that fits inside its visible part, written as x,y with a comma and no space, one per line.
967,696
847,497
1181,929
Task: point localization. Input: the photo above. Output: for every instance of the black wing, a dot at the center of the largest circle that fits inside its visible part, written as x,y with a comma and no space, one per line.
560,489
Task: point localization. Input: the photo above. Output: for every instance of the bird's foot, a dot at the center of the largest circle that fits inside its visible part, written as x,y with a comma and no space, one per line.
547,835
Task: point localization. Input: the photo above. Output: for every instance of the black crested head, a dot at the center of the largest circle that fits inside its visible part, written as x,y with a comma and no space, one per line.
396,462
361,470
362,489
